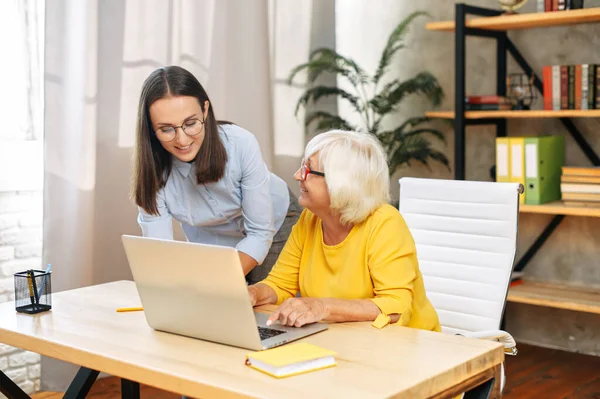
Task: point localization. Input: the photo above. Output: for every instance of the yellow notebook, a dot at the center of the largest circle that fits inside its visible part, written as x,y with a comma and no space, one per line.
291,359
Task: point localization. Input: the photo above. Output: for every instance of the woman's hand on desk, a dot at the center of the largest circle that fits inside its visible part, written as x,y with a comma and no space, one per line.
299,311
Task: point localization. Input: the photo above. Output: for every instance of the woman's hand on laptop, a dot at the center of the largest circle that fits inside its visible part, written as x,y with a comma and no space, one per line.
299,311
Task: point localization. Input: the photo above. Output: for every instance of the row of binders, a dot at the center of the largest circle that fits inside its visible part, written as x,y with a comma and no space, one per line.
535,162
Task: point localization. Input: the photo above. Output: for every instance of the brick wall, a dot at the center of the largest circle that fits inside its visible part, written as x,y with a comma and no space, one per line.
20,249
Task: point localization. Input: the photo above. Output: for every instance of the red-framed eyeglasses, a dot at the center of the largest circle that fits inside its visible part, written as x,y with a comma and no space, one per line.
305,171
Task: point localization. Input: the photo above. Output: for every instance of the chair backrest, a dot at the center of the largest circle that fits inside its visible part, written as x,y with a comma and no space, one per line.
466,238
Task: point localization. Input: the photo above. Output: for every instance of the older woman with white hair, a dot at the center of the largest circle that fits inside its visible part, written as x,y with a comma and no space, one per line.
350,255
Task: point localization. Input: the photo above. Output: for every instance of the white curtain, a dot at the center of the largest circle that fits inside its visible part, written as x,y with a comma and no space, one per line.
97,55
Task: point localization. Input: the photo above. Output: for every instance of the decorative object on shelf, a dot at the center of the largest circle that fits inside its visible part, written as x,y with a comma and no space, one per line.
520,91
373,98
510,6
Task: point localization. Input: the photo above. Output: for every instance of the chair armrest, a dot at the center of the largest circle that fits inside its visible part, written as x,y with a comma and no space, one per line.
510,346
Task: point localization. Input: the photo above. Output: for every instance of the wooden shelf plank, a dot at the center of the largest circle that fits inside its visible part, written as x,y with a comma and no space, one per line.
556,296
559,208
524,21
565,113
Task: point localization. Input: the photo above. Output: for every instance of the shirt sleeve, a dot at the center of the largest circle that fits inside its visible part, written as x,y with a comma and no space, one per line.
257,205
157,226
283,278
393,267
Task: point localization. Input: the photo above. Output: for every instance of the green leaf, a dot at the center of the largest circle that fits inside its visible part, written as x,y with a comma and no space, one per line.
412,122
327,60
441,158
331,124
316,68
394,44
418,132
386,138
315,93
327,121
375,128
394,92
413,148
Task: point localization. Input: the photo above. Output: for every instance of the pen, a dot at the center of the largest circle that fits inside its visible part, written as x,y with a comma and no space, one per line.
44,280
30,284
129,309
34,287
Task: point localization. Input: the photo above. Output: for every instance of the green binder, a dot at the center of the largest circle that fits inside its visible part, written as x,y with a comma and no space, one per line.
544,159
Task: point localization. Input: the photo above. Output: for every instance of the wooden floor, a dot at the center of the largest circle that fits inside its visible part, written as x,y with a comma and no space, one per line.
546,373
534,373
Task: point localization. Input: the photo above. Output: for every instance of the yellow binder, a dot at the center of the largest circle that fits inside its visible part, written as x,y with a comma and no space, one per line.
502,159
517,163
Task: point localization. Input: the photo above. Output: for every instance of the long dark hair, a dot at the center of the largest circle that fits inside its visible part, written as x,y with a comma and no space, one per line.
152,163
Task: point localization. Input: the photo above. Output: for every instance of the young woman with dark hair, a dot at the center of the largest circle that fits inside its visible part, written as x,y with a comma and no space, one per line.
209,175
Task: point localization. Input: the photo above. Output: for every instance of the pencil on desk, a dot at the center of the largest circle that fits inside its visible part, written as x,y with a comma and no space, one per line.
129,309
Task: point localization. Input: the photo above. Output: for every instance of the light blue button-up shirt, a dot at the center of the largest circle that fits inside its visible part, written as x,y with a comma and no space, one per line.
243,210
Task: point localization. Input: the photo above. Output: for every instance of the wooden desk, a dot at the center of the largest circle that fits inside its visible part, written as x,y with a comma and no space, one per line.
83,328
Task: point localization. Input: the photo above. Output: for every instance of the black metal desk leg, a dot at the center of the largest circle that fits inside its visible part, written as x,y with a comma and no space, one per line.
81,384
130,389
10,389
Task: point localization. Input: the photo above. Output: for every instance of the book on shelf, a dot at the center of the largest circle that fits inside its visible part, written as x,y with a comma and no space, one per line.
488,107
587,197
580,179
580,186
487,103
486,99
558,5
571,87
593,171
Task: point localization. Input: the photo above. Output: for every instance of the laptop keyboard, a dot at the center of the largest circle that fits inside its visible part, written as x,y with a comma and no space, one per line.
266,333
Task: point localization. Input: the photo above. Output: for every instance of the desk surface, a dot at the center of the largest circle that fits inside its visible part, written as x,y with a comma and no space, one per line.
83,328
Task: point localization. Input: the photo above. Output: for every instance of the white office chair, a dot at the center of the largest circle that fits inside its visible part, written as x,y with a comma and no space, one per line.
466,238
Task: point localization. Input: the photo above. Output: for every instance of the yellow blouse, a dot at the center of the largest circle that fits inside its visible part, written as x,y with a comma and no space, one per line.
377,261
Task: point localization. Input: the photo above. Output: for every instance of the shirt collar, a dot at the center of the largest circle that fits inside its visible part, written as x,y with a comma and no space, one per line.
183,167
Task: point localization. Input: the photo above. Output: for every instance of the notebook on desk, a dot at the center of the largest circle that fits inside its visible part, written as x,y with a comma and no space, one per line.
199,291
291,360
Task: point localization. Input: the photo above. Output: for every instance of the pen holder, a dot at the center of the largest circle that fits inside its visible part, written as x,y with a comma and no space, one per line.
33,293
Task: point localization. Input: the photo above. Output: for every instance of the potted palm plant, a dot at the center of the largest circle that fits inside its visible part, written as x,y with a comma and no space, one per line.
373,101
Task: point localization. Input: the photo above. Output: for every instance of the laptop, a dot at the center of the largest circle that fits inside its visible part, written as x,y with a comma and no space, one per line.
199,291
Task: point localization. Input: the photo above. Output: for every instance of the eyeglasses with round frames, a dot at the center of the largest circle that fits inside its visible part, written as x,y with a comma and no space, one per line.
191,127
